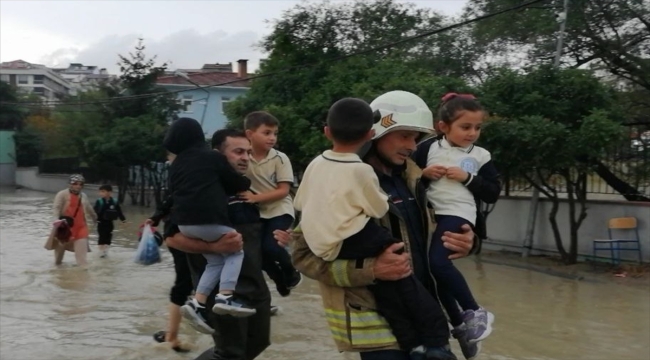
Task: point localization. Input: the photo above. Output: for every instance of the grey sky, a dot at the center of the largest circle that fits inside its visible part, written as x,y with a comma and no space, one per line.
186,34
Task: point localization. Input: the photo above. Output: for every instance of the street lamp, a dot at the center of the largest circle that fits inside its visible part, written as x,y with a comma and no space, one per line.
207,99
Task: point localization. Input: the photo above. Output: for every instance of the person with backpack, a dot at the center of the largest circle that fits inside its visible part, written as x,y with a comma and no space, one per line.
108,210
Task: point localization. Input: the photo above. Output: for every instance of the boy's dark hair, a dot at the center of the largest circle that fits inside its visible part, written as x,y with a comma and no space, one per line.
453,103
258,118
349,120
106,187
219,137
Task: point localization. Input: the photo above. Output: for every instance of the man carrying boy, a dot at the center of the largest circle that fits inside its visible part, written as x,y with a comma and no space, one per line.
108,210
271,178
235,338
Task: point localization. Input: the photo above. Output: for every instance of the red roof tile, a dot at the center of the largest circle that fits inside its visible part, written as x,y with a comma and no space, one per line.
206,78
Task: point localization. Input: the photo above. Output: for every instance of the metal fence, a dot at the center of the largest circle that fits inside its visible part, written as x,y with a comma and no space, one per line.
629,163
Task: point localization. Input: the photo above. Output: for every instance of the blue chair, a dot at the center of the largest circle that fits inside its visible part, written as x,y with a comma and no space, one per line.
627,225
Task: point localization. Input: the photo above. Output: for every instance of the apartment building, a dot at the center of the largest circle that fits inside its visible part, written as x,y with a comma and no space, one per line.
84,77
35,78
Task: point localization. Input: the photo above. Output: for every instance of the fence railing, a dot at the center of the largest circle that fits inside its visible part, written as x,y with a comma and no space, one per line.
629,162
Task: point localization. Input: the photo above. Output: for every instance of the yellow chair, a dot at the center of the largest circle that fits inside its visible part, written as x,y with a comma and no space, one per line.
625,224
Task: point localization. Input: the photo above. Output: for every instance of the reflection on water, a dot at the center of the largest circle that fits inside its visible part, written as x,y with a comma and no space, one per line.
111,310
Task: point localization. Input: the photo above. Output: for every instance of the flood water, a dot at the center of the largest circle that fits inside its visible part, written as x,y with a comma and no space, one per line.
112,310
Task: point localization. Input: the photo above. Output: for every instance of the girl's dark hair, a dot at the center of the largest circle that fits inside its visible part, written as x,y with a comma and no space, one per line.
453,103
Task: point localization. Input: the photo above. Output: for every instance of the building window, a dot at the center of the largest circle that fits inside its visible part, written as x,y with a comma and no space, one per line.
224,101
186,103
39,90
4,77
38,79
23,79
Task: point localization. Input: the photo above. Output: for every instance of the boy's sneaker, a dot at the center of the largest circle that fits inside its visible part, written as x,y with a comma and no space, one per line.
440,353
470,350
479,324
418,353
283,290
197,315
294,280
274,310
230,305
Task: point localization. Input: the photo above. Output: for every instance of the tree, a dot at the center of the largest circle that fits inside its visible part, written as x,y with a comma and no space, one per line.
610,35
310,33
549,127
121,125
29,141
11,115
29,147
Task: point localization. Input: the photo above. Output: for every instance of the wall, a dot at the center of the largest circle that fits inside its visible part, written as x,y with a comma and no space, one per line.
507,225
29,178
214,118
7,158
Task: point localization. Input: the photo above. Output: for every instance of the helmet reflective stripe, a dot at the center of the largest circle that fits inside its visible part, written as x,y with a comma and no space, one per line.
401,110
77,178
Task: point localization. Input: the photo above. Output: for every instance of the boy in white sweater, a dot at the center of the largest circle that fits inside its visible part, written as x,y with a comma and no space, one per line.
338,196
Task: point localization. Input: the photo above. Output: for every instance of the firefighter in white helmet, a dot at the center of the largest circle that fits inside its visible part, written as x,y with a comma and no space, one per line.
402,118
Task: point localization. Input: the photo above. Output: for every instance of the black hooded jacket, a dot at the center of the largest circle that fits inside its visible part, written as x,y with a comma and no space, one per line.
200,179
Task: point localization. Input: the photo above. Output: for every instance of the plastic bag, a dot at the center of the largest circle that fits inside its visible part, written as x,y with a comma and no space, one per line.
148,251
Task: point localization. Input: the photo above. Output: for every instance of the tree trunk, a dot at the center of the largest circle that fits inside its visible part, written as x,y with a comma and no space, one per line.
155,178
143,184
122,184
572,256
628,191
133,184
576,192
552,217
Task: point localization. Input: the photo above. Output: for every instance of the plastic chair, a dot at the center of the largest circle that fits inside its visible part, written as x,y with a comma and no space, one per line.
626,224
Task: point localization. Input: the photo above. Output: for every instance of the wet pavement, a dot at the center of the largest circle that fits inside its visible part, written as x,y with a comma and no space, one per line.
111,310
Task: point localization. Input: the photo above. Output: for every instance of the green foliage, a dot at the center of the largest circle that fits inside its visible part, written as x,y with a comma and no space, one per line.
114,131
565,96
11,115
28,141
303,115
128,142
29,147
550,127
314,32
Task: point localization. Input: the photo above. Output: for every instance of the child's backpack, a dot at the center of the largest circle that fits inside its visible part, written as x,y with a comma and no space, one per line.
110,210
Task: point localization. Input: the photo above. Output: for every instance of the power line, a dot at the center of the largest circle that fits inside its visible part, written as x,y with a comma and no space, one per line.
299,67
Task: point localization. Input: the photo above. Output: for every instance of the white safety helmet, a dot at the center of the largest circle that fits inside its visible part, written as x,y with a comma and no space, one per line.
401,110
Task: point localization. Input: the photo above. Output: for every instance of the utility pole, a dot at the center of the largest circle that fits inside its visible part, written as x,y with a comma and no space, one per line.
534,202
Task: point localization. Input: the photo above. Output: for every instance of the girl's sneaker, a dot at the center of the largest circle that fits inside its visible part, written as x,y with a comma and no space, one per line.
479,324
230,305
197,315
